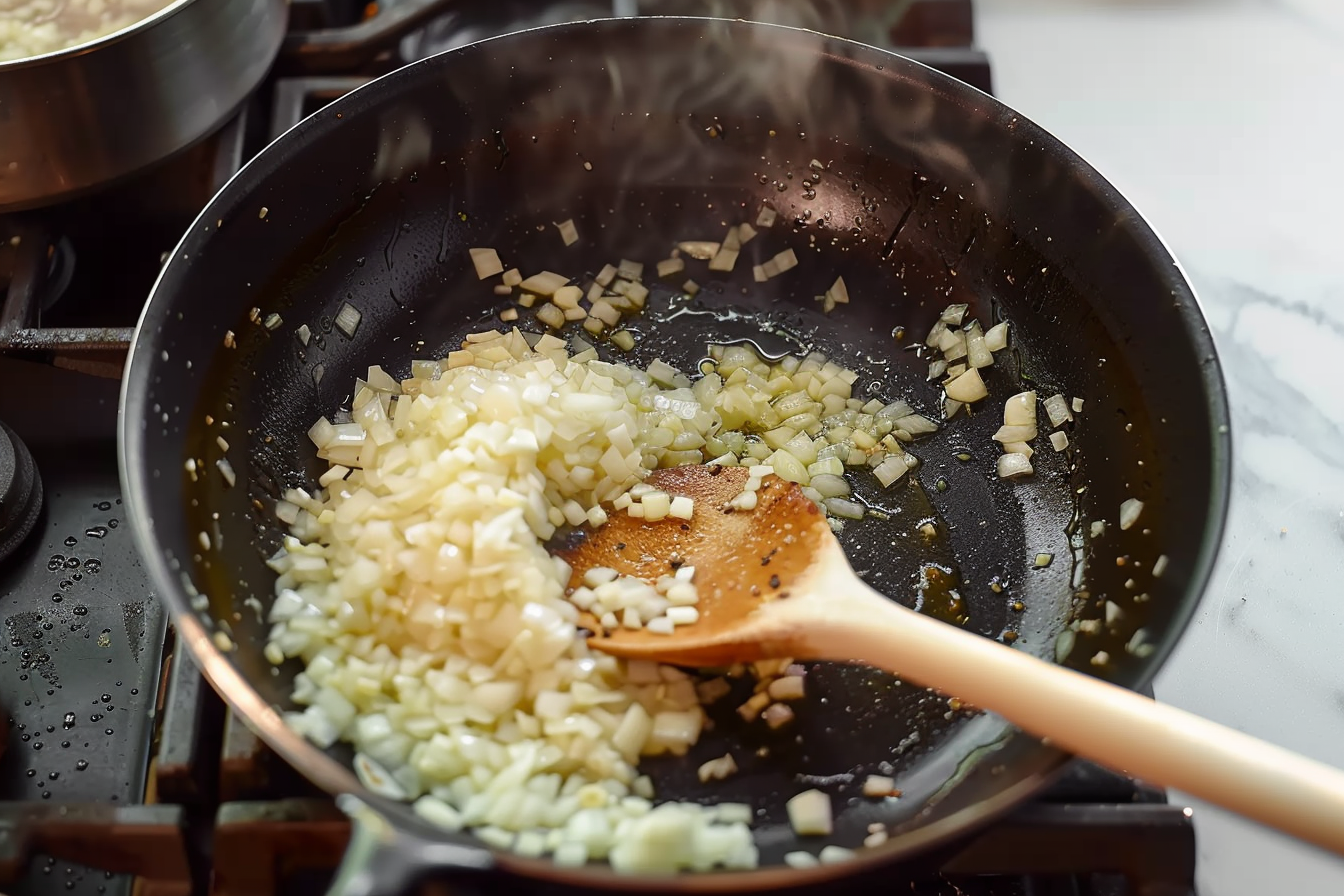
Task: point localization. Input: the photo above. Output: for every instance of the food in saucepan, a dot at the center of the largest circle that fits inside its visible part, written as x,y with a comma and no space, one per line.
444,641
37,27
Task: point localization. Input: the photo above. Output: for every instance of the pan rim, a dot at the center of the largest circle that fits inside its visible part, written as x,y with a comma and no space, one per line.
335,777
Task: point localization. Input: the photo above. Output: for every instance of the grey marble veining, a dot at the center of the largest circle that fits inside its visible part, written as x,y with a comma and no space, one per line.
1219,119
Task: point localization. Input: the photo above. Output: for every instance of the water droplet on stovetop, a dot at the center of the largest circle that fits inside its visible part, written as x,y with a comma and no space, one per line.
81,765
81,610
107,698
69,721
32,772
71,541
93,564
104,505
56,561
108,731
114,522
96,532
53,775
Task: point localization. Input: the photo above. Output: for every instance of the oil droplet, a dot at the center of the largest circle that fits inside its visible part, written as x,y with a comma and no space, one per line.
114,522
53,775
71,541
104,505
81,765
93,532
69,721
93,564
55,562
81,610
107,731
107,698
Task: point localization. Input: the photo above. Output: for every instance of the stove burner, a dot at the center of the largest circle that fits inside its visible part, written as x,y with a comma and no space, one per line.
20,492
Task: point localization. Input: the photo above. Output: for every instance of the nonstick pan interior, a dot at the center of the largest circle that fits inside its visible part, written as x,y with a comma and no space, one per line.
931,194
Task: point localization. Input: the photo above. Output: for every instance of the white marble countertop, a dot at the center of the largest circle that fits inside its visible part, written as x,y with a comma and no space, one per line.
1220,119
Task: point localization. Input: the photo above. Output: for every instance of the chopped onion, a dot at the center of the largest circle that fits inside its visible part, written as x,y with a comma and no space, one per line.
724,260
967,388
544,284
1011,466
347,319
996,337
670,266
953,315
1020,410
1159,566
1057,409
810,814
717,769
700,250
486,262
1059,441
877,785
1129,512
765,219
777,715
568,232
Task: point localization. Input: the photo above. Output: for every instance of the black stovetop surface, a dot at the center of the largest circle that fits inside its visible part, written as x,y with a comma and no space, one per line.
118,756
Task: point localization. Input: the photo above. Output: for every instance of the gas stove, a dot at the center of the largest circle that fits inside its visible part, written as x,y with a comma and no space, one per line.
124,772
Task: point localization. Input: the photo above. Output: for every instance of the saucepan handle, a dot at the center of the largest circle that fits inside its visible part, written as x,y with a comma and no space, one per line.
385,859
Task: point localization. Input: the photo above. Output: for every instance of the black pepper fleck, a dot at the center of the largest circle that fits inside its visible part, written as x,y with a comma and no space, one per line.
774,581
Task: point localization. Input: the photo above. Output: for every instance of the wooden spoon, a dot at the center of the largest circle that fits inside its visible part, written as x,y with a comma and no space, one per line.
774,583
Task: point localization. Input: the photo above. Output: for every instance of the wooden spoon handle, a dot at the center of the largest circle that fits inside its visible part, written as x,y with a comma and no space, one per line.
1091,718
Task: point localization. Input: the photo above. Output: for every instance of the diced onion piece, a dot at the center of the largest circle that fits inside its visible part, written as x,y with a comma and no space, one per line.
996,337
1160,566
1077,405
834,855
551,316
800,859
669,266
1059,441
544,283
878,786
1057,409
347,319
844,509
967,388
623,339
1011,466
1020,410
953,315
890,470
745,233
724,260
700,250
838,293
605,276
810,814
717,769
765,219
785,261
1007,433
512,277
1129,512
777,715
790,687
486,262
630,270
567,297
568,232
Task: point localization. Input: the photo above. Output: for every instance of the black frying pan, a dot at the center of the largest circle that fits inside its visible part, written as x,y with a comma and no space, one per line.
649,131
